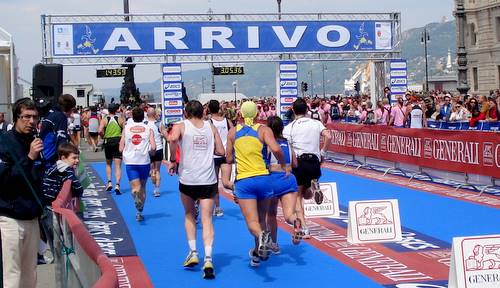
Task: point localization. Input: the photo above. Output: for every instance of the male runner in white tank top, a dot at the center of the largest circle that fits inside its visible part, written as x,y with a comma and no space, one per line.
199,142
157,157
136,144
222,124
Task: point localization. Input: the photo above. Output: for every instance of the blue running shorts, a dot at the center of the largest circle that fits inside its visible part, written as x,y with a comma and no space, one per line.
256,187
282,184
135,172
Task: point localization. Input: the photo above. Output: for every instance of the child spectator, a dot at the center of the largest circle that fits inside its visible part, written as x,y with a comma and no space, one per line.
53,180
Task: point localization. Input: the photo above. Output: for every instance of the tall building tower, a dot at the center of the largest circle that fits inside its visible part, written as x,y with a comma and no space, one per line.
482,44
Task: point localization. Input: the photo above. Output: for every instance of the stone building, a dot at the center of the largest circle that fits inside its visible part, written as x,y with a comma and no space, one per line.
482,42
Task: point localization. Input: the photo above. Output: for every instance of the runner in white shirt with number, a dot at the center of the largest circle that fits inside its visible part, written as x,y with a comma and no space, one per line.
199,142
136,144
304,135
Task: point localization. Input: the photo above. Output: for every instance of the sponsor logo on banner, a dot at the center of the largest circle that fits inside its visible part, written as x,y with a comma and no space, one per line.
288,67
173,103
173,112
398,73
383,35
398,65
287,100
398,81
285,108
287,92
374,221
329,207
169,120
172,69
176,94
398,89
488,155
429,284
172,86
428,148
288,84
288,75
63,40
475,262
172,77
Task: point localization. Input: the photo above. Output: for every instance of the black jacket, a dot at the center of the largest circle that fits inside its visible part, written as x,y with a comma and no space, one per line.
16,198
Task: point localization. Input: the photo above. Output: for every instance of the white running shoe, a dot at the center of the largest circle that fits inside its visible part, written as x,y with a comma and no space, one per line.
254,258
306,235
274,248
262,250
218,212
156,192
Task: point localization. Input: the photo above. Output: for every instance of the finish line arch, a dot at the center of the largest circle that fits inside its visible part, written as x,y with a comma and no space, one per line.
86,40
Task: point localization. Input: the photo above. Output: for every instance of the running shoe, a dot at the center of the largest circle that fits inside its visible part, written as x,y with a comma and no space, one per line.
254,258
156,192
139,217
274,248
192,259
117,189
218,212
109,186
262,250
208,269
298,232
306,235
139,205
317,193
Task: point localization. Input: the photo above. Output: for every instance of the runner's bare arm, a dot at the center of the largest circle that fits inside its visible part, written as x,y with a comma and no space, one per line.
172,138
229,146
219,147
152,142
122,143
101,126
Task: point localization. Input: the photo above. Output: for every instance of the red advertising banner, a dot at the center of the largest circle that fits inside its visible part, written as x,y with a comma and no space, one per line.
459,151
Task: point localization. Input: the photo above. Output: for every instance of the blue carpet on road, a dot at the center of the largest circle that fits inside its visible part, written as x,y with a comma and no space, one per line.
161,242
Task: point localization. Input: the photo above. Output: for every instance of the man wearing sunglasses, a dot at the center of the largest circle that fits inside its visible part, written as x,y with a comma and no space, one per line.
20,207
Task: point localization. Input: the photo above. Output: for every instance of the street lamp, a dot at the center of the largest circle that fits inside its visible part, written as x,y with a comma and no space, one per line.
235,84
325,68
203,84
423,40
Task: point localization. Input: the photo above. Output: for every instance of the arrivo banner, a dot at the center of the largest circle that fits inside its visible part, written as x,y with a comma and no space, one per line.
466,151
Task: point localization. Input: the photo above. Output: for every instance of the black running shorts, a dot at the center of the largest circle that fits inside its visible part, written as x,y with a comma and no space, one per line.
112,152
157,156
196,192
308,168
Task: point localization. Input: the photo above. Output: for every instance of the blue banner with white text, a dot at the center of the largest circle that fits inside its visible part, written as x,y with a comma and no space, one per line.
241,37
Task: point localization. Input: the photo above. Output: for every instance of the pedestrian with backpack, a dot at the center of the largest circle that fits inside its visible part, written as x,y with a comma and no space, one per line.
314,112
110,129
335,113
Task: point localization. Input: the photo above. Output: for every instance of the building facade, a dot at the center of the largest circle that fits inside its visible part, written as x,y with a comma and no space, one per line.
482,42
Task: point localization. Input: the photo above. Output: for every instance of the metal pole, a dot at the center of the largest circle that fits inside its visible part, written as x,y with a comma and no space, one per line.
279,9
463,86
312,84
324,94
426,65
203,84
213,79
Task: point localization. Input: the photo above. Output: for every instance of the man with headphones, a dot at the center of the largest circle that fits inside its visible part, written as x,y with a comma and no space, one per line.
20,206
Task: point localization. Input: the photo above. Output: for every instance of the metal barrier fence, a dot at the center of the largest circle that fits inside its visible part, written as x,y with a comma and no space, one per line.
79,261
458,125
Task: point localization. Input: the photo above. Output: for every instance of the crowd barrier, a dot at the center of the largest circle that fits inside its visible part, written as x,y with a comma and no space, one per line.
458,125
473,152
79,261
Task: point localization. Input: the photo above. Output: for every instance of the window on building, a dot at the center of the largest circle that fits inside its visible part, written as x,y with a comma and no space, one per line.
473,34
475,79
80,93
497,20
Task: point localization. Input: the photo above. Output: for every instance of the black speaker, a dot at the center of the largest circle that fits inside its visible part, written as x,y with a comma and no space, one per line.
47,83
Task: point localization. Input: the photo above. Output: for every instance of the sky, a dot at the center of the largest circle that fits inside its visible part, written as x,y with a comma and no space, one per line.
21,18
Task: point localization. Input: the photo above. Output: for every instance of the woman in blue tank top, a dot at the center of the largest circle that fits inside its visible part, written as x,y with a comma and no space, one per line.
284,187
